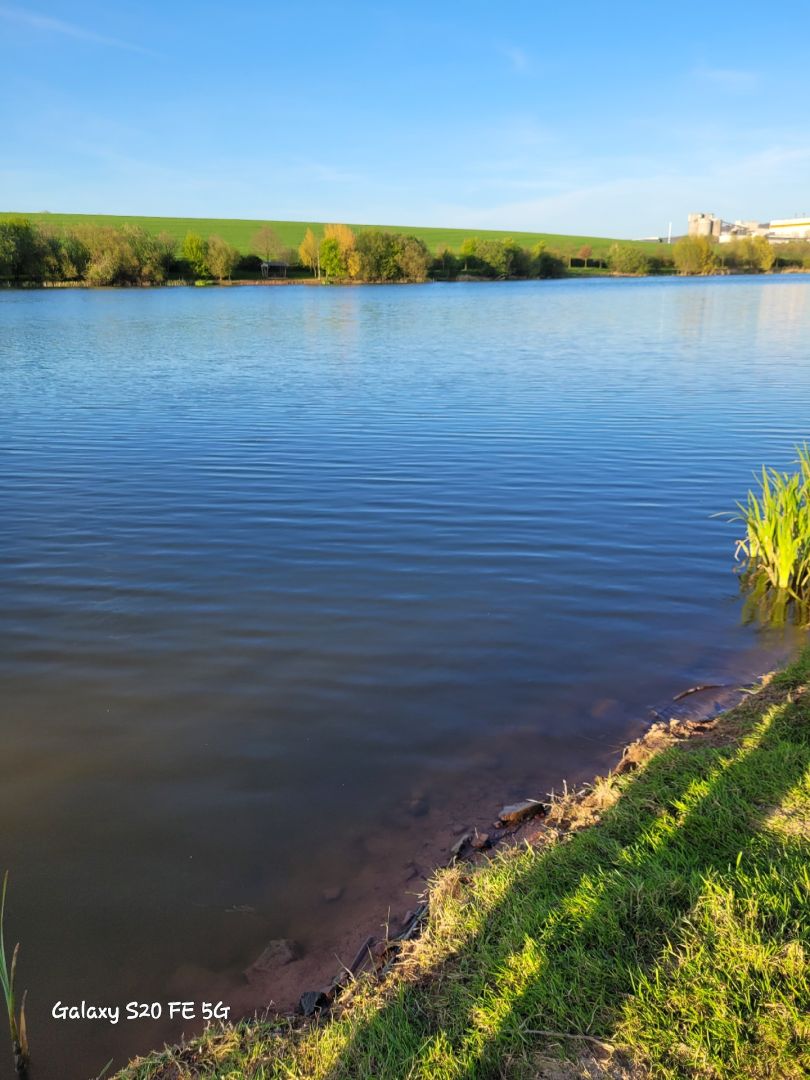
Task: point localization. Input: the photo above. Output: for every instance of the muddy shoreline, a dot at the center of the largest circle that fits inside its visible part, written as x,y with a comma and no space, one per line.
286,979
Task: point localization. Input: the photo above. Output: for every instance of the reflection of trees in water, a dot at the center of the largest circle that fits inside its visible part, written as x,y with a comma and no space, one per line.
781,309
772,308
332,316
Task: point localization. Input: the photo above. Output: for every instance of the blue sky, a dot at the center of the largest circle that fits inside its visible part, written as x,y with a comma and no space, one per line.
597,118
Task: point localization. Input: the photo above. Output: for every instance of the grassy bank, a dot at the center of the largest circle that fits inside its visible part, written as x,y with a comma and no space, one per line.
240,232
655,926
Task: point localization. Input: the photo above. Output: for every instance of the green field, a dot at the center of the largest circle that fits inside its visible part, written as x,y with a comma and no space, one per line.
239,231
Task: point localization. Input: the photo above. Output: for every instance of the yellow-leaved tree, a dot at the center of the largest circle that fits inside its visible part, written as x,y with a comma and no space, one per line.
309,252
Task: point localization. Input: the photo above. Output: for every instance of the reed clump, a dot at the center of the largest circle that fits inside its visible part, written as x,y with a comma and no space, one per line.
775,550
16,1020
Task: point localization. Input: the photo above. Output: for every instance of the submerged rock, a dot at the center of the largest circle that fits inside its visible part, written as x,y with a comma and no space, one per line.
333,893
418,806
279,952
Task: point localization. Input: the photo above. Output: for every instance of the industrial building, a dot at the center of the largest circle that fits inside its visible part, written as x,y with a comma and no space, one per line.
780,229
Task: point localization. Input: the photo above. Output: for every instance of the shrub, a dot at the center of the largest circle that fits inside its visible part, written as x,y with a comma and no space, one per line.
695,255
22,251
445,265
377,253
662,264
75,257
195,253
625,259
413,258
750,254
249,264
548,264
112,260
795,253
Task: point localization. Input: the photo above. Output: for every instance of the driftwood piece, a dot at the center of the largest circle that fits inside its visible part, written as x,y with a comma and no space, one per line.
362,955
698,688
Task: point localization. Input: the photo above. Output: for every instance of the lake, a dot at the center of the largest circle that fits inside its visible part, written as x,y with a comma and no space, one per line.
299,583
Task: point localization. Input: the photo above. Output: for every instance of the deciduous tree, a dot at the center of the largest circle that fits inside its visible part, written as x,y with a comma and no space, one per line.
267,243
413,258
337,252
112,258
695,255
222,257
309,253
546,264
195,252
332,262
21,250
625,259
153,255
344,236
446,263
765,255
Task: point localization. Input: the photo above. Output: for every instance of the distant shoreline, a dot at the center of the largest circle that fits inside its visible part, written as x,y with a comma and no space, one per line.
310,282
44,251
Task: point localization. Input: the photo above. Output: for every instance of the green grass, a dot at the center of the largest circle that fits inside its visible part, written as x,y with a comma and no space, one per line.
670,939
239,232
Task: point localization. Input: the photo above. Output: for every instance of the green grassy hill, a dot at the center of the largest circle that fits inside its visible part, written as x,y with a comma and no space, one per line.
239,232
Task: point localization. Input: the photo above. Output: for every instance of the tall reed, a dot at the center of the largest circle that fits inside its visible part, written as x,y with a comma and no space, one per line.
775,550
16,1021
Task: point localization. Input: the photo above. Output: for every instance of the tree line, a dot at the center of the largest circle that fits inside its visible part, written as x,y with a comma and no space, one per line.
692,255
36,252
380,255
108,255
745,254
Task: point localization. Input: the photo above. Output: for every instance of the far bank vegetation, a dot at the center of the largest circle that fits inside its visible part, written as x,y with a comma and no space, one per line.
36,252
131,255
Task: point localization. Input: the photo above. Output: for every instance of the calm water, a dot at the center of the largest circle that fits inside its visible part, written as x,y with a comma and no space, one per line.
295,580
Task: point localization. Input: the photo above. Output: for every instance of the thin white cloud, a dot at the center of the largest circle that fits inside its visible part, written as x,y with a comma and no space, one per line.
325,172
518,58
46,23
522,132
643,198
732,80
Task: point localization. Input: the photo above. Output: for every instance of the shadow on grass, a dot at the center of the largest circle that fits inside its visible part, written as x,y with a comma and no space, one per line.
568,940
